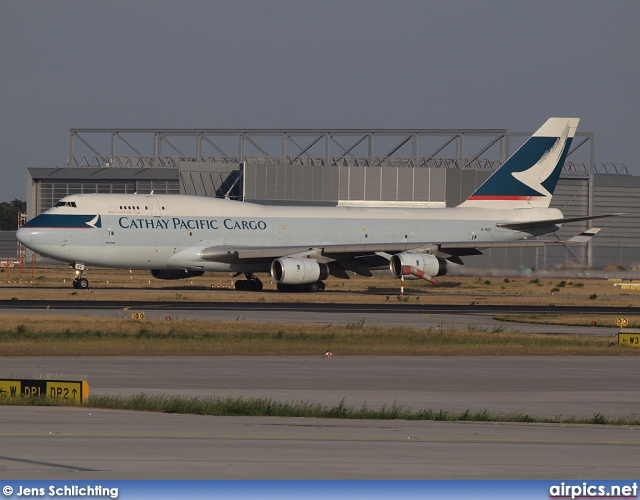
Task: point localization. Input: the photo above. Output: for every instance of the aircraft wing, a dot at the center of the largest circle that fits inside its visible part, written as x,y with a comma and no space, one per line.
362,258
232,253
453,251
551,222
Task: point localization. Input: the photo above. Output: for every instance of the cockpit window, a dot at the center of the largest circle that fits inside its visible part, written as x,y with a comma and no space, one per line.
66,204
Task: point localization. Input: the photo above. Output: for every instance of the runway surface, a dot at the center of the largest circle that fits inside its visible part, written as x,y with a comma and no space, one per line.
385,307
71,443
413,315
74,443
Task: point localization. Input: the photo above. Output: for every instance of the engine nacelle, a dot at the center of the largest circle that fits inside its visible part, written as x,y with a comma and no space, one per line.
417,266
290,271
174,274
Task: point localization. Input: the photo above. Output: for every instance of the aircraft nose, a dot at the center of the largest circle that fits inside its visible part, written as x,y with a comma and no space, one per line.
24,235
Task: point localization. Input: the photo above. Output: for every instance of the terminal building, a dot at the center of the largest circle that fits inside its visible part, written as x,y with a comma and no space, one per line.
356,167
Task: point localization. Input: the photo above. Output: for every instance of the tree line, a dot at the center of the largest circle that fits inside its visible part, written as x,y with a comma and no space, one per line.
9,214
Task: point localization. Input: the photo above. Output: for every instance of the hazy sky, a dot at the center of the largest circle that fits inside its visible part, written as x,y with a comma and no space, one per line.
307,64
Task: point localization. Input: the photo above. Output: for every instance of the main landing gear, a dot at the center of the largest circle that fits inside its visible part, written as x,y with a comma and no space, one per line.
318,286
251,284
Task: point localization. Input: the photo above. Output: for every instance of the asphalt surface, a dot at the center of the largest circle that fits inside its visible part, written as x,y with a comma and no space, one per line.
391,307
77,443
414,314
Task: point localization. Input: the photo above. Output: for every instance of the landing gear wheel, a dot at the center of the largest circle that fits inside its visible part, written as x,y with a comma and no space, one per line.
318,286
251,284
81,283
255,285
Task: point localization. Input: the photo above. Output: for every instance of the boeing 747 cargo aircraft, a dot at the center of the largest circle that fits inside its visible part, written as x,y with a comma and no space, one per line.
177,236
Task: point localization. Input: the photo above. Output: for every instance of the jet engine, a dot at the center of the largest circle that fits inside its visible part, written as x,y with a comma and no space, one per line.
290,271
417,266
174,274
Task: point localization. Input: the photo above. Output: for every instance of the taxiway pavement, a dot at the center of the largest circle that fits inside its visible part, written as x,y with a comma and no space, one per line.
74,443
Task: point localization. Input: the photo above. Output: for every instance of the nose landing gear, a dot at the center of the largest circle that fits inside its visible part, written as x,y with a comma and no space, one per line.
80,282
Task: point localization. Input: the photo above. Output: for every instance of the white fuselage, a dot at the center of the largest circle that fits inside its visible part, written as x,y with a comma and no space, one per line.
169,231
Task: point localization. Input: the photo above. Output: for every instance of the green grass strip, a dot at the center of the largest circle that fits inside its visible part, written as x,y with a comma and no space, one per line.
260,407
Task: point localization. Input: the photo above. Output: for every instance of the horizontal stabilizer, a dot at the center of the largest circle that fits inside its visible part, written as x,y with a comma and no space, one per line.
584,236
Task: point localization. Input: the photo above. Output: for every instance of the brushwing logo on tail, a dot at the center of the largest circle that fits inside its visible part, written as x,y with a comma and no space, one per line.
529,177
535,176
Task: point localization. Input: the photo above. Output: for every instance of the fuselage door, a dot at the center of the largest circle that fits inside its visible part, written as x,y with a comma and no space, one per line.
111,236
154,206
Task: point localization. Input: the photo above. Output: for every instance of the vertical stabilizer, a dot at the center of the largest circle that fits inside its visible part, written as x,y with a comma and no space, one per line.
529,177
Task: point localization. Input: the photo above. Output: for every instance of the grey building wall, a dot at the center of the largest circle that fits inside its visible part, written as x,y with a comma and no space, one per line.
327,185
214,179
45,186
619,241
461,183
292,184
8,245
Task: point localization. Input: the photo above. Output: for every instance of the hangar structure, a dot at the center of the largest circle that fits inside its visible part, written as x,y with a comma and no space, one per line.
357,167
